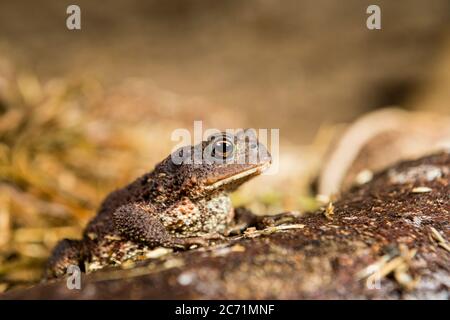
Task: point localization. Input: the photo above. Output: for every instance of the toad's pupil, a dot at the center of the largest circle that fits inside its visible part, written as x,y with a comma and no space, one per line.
224,147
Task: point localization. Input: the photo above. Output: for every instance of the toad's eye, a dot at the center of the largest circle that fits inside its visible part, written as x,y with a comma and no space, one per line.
223,148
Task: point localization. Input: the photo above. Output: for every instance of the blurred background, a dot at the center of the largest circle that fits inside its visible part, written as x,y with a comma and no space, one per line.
85,112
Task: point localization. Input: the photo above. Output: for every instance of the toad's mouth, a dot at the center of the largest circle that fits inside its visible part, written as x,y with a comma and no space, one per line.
257,170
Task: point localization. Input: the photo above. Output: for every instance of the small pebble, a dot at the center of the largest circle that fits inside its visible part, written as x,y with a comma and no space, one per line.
185,278
421,190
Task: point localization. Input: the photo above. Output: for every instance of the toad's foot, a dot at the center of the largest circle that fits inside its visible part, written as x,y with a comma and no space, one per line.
244,219
199,241
66,253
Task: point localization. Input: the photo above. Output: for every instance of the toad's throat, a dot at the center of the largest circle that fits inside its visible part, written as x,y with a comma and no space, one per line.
228,180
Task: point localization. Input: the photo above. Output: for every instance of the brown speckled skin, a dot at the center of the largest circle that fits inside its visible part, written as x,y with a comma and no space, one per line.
172,206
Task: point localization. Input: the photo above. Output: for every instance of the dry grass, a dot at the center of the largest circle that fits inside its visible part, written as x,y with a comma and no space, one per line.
60,154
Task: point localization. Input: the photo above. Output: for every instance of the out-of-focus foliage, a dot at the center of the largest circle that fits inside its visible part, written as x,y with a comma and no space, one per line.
60,154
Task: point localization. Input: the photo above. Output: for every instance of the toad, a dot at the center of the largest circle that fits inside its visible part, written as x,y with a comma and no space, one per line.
182,202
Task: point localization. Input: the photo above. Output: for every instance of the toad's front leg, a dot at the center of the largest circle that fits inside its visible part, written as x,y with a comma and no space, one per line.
141,224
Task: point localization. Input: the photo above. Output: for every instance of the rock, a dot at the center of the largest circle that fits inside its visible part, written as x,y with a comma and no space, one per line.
384,239
377,140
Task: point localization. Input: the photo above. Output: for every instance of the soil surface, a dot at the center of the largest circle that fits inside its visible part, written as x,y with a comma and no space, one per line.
385,239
